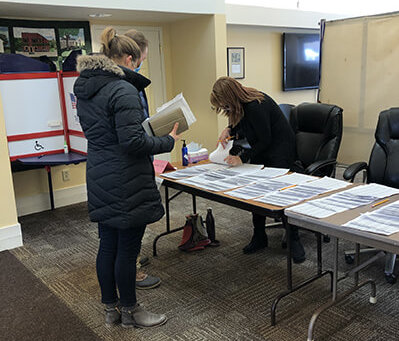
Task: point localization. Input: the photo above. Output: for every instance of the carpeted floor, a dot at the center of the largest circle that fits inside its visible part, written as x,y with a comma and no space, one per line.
215,294
30,311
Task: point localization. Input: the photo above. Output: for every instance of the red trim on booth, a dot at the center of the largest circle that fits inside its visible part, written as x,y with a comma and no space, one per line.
76,133
38,75
16,157
63,107
70,74
78,151
21,137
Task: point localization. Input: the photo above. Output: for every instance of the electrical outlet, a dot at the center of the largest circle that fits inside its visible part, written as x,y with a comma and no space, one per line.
66,175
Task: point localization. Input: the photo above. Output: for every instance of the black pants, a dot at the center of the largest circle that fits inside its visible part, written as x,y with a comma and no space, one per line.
116,263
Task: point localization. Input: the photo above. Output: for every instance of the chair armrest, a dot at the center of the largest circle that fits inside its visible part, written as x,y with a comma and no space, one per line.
351,171
315,166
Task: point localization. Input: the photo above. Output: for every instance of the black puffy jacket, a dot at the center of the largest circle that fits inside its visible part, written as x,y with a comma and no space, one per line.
120,176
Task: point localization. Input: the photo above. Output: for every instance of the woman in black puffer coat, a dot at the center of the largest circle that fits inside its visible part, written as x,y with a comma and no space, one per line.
122,194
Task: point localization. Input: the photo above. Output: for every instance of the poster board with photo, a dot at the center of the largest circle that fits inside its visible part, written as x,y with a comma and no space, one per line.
38,39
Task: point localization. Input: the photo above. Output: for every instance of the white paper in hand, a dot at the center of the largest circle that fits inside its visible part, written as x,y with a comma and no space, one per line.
220,153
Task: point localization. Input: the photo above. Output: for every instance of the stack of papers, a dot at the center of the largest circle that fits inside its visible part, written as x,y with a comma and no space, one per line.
257,189
192,171
345,200
221,179
385,220
294,194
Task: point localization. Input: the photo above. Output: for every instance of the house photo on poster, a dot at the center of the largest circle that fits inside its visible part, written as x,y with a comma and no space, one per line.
4,40
35,42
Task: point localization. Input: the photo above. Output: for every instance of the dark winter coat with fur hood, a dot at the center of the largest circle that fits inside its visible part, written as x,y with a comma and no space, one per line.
120,176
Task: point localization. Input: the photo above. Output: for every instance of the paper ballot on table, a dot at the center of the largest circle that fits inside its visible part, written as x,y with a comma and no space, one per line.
176,110
220,153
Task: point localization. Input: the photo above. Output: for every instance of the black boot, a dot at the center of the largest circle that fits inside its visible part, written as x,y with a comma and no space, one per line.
297,250
258,242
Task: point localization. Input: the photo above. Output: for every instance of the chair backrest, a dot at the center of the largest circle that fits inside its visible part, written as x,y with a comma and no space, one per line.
318,131
384,158
286,109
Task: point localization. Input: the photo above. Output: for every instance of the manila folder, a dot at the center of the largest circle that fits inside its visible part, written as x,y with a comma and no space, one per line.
162,125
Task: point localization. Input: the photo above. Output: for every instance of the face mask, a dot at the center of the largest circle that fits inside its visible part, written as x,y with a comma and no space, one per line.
137,69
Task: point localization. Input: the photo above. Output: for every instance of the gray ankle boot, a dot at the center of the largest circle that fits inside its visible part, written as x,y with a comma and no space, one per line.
137,317
112,314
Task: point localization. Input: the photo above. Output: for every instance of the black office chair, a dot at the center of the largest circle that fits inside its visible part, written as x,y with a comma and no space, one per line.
318,132
383,168
286,109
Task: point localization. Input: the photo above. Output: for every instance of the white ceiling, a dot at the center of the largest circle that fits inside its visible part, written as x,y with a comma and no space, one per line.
31,11
348,7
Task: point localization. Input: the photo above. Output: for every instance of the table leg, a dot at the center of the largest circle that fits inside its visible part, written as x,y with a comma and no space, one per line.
50,186
194,204
335,299
167,213
292,289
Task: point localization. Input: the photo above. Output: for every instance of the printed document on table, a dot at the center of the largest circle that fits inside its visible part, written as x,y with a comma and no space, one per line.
345,200
193,171
373,190
295,178
203,179
290,196
257,189
384,220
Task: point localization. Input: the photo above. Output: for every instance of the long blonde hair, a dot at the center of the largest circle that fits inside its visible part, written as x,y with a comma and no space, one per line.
116,46
228,96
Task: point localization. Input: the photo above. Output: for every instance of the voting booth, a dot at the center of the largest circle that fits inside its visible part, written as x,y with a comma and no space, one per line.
40,114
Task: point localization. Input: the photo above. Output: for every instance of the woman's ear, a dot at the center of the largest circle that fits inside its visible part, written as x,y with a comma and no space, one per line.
129,62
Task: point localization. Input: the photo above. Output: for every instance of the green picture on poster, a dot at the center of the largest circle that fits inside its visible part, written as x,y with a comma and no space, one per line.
71,39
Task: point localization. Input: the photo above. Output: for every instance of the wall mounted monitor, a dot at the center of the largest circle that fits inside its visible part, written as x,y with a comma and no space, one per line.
301,60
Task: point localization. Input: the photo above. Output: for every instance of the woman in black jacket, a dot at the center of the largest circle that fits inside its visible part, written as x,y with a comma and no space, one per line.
255,116
122,195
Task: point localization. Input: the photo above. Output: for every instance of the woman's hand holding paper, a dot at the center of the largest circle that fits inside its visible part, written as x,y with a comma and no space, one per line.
233,160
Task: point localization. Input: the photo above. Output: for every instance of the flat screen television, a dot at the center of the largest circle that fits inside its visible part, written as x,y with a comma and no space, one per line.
301,61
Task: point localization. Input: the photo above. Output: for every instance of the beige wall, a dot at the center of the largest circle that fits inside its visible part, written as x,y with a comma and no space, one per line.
263,62
197,49
8,211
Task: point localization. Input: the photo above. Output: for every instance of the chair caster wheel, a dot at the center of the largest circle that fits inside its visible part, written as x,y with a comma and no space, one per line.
390,278
326,238
349,259
284,245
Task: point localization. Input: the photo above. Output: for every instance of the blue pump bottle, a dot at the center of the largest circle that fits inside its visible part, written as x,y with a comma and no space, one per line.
184,153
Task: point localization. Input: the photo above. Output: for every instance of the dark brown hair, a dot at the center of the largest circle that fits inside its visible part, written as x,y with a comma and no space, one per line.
228,95
139,38
116,46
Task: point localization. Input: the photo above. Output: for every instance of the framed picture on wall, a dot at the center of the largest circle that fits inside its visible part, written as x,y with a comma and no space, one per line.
236,62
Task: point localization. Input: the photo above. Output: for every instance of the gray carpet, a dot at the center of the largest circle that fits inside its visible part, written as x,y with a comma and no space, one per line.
30,311
215,294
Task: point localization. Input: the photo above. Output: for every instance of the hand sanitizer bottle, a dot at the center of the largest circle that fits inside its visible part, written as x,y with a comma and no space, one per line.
184,153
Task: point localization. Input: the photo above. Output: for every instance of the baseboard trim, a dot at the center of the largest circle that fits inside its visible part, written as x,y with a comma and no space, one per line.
41,202
10,237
